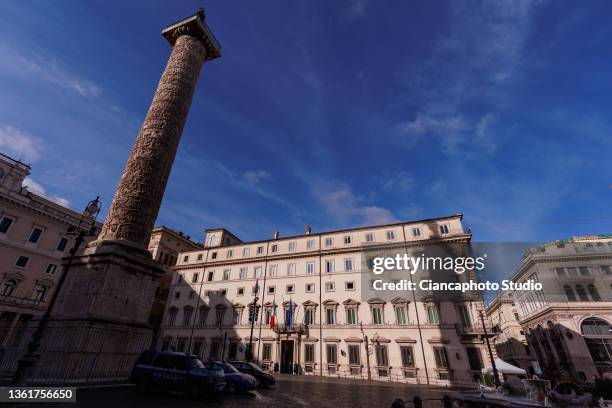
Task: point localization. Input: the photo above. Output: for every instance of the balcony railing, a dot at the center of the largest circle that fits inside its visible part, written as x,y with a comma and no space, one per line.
23,302
293,329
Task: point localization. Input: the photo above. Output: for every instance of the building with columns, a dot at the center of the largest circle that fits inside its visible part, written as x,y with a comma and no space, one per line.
568,324
510,341
315,280
165,245
33,240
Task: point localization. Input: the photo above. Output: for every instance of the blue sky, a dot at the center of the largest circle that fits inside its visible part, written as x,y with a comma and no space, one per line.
330,113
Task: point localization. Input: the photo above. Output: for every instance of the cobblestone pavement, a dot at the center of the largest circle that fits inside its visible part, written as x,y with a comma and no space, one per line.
288,392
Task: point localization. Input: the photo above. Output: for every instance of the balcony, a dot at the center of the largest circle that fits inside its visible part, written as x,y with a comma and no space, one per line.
23,302
293,329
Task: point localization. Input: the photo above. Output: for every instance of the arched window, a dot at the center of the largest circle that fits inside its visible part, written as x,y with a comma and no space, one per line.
9,287
582,293
203,315
569,293
597,334
594,294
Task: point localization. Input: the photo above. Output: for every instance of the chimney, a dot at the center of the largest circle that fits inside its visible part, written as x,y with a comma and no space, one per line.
276,234
308,230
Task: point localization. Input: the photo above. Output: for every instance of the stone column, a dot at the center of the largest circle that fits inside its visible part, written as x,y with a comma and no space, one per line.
139,195
99,324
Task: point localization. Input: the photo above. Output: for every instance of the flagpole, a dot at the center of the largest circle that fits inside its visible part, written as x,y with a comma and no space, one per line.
253,318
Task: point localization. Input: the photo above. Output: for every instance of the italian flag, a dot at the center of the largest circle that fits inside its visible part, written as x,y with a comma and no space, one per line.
273,317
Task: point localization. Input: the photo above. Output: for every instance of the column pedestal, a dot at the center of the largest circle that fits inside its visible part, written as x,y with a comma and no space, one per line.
99,325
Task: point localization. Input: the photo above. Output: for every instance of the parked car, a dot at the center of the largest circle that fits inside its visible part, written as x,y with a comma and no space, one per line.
176,371
263,379
235,381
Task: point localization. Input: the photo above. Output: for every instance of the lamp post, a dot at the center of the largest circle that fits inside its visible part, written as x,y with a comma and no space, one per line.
85,228
495,373
367,350
253,314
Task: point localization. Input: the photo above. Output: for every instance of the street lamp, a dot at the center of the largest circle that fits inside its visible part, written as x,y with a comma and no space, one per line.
86,227
253,314
495,373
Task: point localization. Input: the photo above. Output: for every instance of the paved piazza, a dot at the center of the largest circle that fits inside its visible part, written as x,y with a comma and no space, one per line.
288,392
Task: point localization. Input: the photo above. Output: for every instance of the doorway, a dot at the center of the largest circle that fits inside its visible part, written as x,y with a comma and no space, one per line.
286,363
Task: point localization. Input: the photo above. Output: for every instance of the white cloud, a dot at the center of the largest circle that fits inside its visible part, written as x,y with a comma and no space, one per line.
45,69
356,9
256,176
38,189
345,207
19,144
398,183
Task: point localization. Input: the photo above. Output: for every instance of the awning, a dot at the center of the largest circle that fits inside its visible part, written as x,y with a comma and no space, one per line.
504,368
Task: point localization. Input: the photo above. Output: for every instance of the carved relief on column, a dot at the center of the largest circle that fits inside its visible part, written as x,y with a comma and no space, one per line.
141,188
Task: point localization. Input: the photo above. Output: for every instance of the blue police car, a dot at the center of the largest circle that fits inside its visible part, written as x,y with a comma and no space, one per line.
235,381
176,371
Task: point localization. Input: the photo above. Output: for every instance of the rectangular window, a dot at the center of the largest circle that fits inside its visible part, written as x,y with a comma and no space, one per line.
606,269
260,250
354,354
464,314
213,255
255,289
309,355
273,270
584,271
274,248
267,351
290,288
572,271
35,235
348,240
240,292
432,315
349,285
199,257
290,269
210,277
226,274
61,245
377,315
441,357
416,232
310,268
310,244
351,316
400,315
245,252
271,290
474,358
186,258
22,261
309,316
230,253
390,235
330,286
560,272
220,315
5,224
329,241
292,246
332,356
257,272
194,278
369,237
329,265
407,356
243,273
51,268
382,358
348,264
444,229
330,315
310,287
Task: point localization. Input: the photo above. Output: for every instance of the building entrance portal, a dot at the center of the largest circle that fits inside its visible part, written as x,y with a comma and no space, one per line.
286,363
